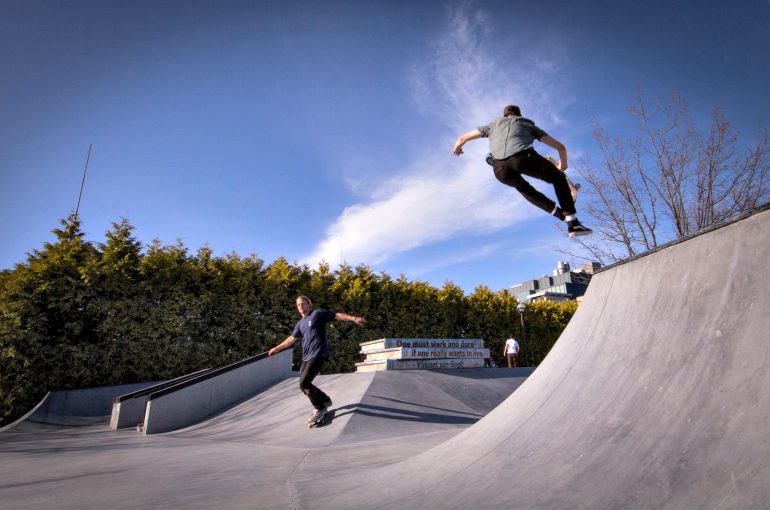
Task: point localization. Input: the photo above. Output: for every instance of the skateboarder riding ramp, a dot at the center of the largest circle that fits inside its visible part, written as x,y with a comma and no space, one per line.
657,395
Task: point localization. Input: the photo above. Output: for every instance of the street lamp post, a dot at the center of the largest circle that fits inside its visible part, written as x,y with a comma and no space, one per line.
521,308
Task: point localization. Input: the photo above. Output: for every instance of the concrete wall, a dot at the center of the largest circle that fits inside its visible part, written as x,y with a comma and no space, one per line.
197,401
128,409
128,413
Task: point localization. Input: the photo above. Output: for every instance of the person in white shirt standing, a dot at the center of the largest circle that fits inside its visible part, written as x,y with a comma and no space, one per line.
511,351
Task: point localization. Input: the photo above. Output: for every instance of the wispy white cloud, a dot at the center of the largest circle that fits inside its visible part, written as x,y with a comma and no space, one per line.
419,209
465,82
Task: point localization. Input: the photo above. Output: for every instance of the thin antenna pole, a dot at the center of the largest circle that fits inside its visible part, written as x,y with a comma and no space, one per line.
83,182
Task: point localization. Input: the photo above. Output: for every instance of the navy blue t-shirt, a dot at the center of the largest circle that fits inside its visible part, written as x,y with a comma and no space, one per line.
312,330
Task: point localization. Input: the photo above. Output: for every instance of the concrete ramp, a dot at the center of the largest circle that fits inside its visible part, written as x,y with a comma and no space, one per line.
657,395
368,407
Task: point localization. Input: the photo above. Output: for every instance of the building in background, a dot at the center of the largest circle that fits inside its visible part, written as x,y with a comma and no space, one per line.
564,285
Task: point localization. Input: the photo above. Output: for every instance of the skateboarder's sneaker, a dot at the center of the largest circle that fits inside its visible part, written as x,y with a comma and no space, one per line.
317,418
575,228
317,415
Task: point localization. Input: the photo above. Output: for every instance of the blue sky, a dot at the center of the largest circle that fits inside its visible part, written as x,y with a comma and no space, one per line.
323,130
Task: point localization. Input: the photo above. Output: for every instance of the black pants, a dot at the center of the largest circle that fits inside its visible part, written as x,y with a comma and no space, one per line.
509,171
307,372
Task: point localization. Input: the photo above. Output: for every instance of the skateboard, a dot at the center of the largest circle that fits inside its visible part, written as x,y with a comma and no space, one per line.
573,188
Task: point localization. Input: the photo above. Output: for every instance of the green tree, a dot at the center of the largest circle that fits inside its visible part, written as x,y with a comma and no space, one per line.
352,292
492,316
44,321
543,322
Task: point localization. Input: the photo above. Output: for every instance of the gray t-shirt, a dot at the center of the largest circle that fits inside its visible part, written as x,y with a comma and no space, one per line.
509,135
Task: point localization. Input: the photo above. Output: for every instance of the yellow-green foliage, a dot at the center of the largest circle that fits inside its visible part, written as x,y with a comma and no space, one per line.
77,315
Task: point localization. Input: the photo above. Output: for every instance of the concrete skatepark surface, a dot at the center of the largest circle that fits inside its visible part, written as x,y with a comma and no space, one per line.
657,395
245,456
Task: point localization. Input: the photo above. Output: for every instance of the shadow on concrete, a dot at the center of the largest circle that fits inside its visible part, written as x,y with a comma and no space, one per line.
399,413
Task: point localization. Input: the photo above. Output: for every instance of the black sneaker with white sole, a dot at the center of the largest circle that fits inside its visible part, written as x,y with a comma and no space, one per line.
575,228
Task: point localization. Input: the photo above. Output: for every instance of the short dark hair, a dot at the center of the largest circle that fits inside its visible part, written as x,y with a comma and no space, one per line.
511,109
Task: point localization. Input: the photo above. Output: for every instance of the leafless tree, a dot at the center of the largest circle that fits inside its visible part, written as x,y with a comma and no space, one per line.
668,181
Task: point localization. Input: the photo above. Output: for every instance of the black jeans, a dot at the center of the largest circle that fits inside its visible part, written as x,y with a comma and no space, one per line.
509,171
307,372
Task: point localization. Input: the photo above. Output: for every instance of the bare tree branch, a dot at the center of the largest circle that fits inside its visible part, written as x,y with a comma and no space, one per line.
668,181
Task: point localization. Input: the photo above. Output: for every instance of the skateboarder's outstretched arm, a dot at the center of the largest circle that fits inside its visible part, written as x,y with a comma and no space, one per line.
283,345
350,318
467,137
562,150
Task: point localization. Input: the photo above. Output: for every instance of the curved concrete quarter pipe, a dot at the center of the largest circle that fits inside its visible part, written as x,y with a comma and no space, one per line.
657,395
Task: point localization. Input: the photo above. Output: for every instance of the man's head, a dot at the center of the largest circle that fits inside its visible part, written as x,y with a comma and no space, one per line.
511,109
304,305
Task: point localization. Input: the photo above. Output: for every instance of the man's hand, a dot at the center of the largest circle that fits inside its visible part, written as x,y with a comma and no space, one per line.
557,164
283,345
467,137
556,144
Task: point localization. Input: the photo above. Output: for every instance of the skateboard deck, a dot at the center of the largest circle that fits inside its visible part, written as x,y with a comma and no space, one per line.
573,188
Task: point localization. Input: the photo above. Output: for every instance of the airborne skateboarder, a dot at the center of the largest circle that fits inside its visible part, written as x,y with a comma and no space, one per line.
511,139
311,328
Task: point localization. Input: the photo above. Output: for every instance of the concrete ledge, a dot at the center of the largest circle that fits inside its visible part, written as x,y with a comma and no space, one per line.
128,410
420,364
177,407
